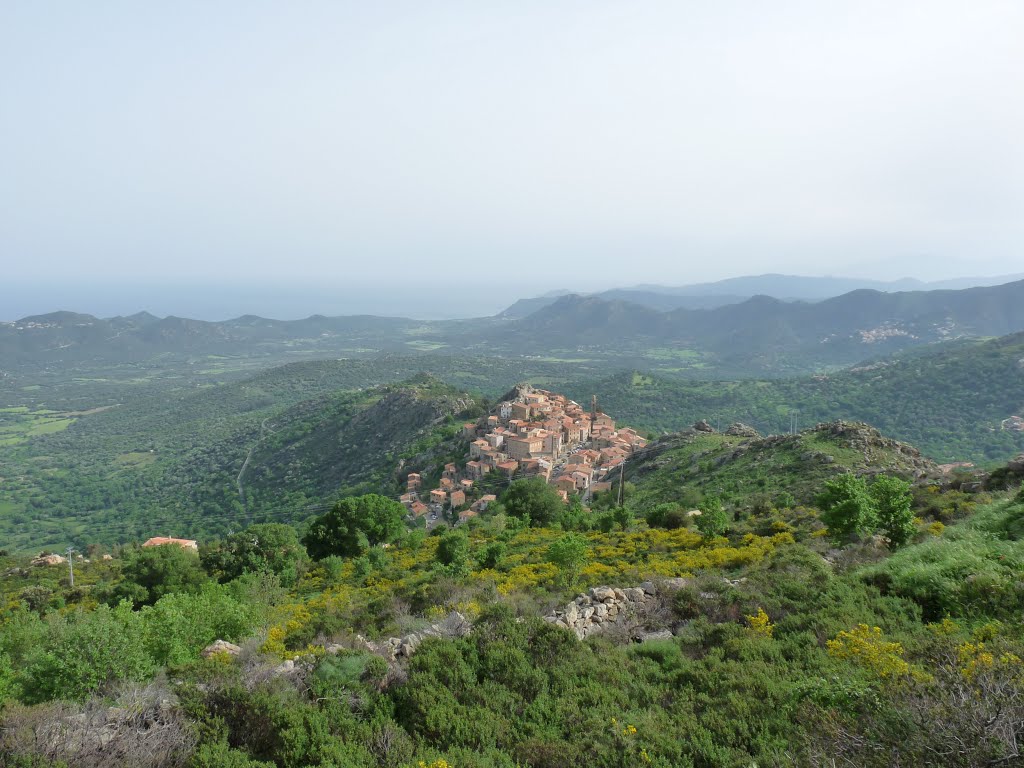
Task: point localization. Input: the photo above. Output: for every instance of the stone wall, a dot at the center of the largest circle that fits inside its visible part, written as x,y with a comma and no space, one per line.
603,609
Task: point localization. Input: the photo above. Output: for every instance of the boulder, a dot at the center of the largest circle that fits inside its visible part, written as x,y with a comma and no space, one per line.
635,595
285,668
220,646
703,426
602,593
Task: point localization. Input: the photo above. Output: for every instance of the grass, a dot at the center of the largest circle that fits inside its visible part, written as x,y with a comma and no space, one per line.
17,425
972,570
49,426
666,353
135,459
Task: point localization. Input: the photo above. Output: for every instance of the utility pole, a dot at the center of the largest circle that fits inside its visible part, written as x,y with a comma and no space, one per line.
71,567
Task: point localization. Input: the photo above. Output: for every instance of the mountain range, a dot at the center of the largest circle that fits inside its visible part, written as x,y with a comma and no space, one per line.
759,336
738,289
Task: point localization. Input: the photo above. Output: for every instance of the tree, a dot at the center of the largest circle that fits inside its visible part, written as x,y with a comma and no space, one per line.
574,516
893,499
453,552
847,506
568,553
623,516
272,547
712,520
533,500
152,572
492,555
354,525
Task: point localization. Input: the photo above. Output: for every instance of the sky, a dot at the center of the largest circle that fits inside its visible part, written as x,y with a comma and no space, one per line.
516,147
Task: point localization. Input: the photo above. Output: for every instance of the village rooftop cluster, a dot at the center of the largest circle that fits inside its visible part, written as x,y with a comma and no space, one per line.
535,434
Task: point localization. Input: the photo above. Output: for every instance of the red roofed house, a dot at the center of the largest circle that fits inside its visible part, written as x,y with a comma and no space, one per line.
566,483
509,467
481,504
457,498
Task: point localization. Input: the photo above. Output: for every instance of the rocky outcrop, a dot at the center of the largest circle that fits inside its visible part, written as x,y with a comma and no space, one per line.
48,560
604,609
740,429
703,426
1016,464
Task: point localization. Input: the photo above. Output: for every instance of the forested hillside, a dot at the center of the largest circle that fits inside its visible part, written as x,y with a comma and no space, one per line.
951,401
132,472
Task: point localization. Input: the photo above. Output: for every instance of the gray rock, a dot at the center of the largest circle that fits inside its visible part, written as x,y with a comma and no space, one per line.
635,595
661,634
648,588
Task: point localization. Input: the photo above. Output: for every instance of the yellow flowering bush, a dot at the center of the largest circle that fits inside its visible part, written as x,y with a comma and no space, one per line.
866,647
759,624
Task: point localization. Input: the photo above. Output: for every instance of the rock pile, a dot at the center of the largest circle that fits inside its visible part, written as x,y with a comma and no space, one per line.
605,608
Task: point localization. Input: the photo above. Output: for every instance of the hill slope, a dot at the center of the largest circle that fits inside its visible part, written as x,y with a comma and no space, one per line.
741,467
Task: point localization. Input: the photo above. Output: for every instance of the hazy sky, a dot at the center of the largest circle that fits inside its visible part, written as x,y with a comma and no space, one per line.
552,144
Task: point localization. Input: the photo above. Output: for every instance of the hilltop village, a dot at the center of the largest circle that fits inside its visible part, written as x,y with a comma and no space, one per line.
531,433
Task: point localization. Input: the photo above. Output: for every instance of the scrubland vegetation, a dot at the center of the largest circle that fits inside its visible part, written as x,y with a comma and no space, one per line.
788,643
